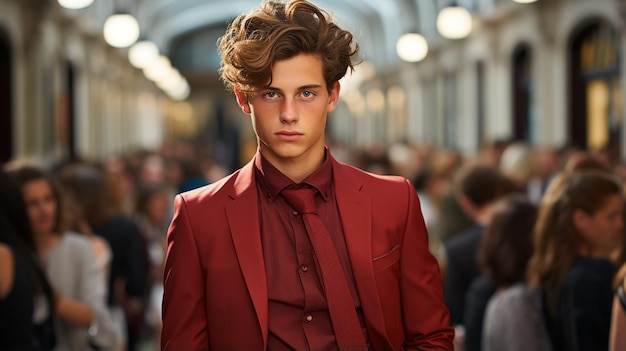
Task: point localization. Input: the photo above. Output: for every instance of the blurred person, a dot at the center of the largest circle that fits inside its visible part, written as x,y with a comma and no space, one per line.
185,175
491,151
152,169
584,160
374,160
82,319
251,264
121,178
213,171
432,182
127,275
517,163
403,159
478,189
24,324
546,166
74,216
511,319
452,220
152,218
579,225
425,185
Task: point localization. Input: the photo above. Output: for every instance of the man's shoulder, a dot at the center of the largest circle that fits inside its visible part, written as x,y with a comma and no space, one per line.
349,171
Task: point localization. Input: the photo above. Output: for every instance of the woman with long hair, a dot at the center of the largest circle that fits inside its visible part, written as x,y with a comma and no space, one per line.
22,280
82,318
578,228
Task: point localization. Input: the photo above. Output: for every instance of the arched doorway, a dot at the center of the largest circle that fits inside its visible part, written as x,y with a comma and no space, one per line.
595,96
6,99
522,94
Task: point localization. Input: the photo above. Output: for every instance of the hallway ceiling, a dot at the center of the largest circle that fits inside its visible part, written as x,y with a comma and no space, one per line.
375,23
186,30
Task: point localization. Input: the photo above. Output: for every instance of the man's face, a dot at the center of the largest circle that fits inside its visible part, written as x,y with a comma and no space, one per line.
289,115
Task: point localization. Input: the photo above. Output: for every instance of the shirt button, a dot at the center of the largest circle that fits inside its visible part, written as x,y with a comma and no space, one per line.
304,268
308,318
295,213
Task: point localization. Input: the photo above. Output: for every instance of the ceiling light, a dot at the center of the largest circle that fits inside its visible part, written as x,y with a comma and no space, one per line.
524,1
75,4
143,53
180,91
121,30
158,69
454,22
169,80
412,47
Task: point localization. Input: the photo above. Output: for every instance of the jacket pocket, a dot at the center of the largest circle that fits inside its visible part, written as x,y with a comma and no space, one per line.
387,259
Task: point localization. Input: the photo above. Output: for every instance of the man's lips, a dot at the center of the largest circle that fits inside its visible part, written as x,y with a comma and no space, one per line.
288,135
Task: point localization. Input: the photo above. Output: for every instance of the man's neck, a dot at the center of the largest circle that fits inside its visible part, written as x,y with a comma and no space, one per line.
296,169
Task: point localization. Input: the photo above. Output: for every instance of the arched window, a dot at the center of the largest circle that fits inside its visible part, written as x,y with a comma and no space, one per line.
6,99
595,99
522,94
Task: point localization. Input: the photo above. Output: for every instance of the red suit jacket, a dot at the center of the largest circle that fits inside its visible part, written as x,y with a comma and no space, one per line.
215,284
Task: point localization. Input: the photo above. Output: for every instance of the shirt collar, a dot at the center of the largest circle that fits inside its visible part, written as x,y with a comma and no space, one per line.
273,181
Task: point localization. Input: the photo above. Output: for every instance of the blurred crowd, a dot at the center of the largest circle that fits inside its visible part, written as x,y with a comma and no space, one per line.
529,241
95,233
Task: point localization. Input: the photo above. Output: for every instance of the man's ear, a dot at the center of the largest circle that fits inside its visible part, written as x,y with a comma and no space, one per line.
333,97
242,101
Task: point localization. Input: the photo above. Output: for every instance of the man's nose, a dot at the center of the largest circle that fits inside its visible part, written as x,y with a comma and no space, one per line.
289,111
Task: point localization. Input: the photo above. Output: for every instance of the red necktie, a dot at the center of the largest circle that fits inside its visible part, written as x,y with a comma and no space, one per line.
346,325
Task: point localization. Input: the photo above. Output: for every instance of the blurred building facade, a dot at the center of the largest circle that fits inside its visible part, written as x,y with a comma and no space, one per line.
550,72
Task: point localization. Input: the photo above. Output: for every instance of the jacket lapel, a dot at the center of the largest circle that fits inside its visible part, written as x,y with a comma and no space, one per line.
355,211
246,236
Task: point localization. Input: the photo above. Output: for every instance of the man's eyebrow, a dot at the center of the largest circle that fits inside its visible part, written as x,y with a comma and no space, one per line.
310,86
304,87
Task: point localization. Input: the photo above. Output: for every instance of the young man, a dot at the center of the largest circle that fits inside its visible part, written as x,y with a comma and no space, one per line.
249,266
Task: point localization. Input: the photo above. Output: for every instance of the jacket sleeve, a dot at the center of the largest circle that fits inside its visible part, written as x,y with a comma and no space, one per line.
426,318
184,307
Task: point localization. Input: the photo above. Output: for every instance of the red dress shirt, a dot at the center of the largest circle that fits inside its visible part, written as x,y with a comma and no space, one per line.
298,313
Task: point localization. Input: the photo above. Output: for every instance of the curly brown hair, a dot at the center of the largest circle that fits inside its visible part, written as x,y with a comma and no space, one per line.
277,31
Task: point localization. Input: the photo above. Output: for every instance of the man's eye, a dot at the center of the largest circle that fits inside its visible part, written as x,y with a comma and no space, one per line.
307,93
270,94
